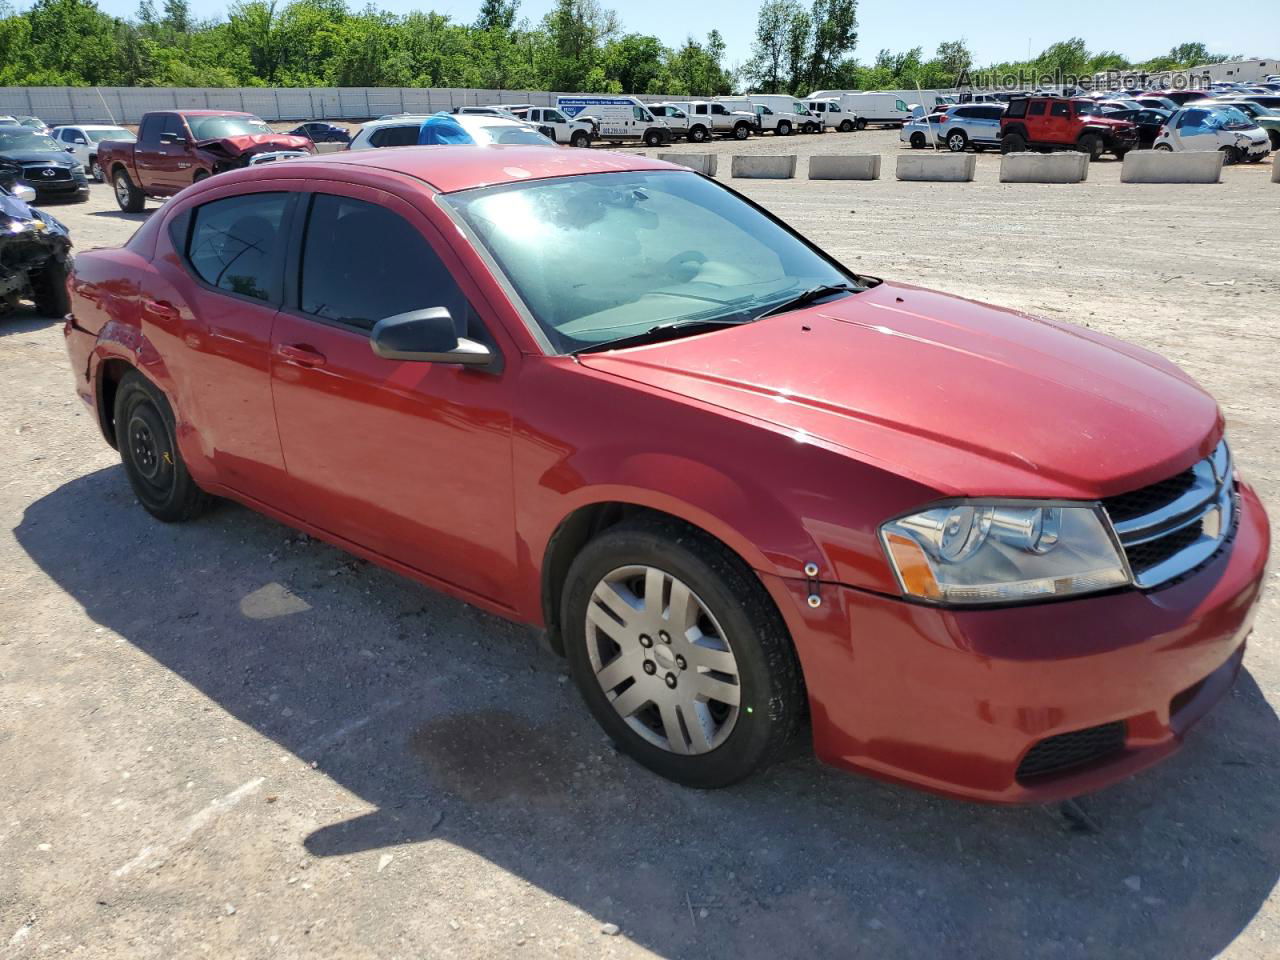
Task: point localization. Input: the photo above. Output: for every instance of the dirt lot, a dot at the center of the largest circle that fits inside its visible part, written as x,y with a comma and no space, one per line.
222,739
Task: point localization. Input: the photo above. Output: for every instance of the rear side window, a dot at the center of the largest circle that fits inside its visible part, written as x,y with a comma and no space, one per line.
403,136
237,244
362,262
1017,108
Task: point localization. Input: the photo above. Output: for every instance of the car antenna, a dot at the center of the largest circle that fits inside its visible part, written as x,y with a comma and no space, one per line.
110,116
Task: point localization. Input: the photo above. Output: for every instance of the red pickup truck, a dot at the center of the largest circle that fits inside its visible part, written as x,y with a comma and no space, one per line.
177,148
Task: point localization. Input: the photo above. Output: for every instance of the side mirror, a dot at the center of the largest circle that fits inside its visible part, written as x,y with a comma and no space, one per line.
24,193
426,336
81,140
172,138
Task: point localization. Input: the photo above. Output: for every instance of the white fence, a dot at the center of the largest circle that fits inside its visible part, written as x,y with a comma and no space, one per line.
128,104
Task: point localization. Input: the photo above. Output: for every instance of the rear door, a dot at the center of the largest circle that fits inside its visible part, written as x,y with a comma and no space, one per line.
986,124
409,460
223,264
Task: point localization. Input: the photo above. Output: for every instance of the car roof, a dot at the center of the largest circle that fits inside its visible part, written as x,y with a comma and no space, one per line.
209,113
463,167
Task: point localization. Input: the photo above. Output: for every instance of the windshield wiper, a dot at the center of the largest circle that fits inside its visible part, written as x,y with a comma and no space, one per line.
662,331
807,297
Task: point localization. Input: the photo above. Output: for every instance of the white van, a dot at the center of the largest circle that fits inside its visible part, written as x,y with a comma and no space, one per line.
835,116
781,103
617,118
890,109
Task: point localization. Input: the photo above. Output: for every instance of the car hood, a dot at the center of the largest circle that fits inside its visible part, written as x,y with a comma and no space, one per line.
1109,122
256,143
964,397
58,158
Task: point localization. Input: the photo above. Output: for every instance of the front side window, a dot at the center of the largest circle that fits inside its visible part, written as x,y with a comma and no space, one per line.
599,257
237,244
1060,109
553,116
902,107
362,262
718,109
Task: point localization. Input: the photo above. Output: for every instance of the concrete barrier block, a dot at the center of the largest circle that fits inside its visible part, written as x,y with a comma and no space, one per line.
764,167
853,166
1163,166
1066,167
948,167
704,163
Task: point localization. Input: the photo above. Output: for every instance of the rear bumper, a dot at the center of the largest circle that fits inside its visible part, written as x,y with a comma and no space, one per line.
954,700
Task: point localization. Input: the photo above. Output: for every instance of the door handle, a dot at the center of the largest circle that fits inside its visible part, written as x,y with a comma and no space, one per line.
160,309
301,355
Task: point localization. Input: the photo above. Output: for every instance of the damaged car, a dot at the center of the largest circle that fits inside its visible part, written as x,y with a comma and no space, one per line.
175,149
35,253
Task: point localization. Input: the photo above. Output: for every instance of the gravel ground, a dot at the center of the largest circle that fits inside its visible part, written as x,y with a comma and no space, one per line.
226,739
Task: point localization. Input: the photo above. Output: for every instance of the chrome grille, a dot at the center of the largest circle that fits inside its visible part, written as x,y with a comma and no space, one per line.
40,173
1172,527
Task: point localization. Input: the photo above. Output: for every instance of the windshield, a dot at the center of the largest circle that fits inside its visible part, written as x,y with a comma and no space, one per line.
214,128
605,256
505,134
13,138
1089,110
1229,118
115,133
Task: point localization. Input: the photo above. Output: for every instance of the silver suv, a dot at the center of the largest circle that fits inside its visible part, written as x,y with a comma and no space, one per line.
974,125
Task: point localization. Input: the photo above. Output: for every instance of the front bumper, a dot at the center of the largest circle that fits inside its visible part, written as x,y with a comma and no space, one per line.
75,188
953,701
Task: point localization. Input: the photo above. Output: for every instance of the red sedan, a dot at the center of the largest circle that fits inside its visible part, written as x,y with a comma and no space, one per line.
744,489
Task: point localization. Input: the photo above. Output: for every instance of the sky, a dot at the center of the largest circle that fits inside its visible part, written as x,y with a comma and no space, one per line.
1003,31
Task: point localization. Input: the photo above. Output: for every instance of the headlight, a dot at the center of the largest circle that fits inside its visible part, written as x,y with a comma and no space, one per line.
77,168
975,552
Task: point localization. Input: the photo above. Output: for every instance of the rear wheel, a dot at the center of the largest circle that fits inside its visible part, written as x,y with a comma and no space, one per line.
1013,143
957,140
200,175
1119,152
49,289
861,124
128,197
1163,148
95,171
1275,139
917,141
680,654
145,433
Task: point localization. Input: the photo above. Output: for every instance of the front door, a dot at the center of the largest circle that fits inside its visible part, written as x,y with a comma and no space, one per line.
410,460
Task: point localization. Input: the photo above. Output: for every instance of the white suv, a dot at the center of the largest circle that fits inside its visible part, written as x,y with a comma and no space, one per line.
82,141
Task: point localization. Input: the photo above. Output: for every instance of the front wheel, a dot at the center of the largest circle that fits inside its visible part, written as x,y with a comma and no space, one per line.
128,197
652,138
1163,148
49,289
680,654
741,132
846,126
1230,155
580,139
1119,153
1092,145
917,141
145,432
784,129
95,171
698,134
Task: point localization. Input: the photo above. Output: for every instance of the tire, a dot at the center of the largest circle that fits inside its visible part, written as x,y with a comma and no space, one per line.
95,171
152,462
1275,139
1163,148
49,289
784,129
1091,144
860,124
200,175
698,134
128,197
957,141
713,742
846,126
580,139
918,141
1230,155
1119,153
1013,143
979,148
741,131
652,138
807,128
